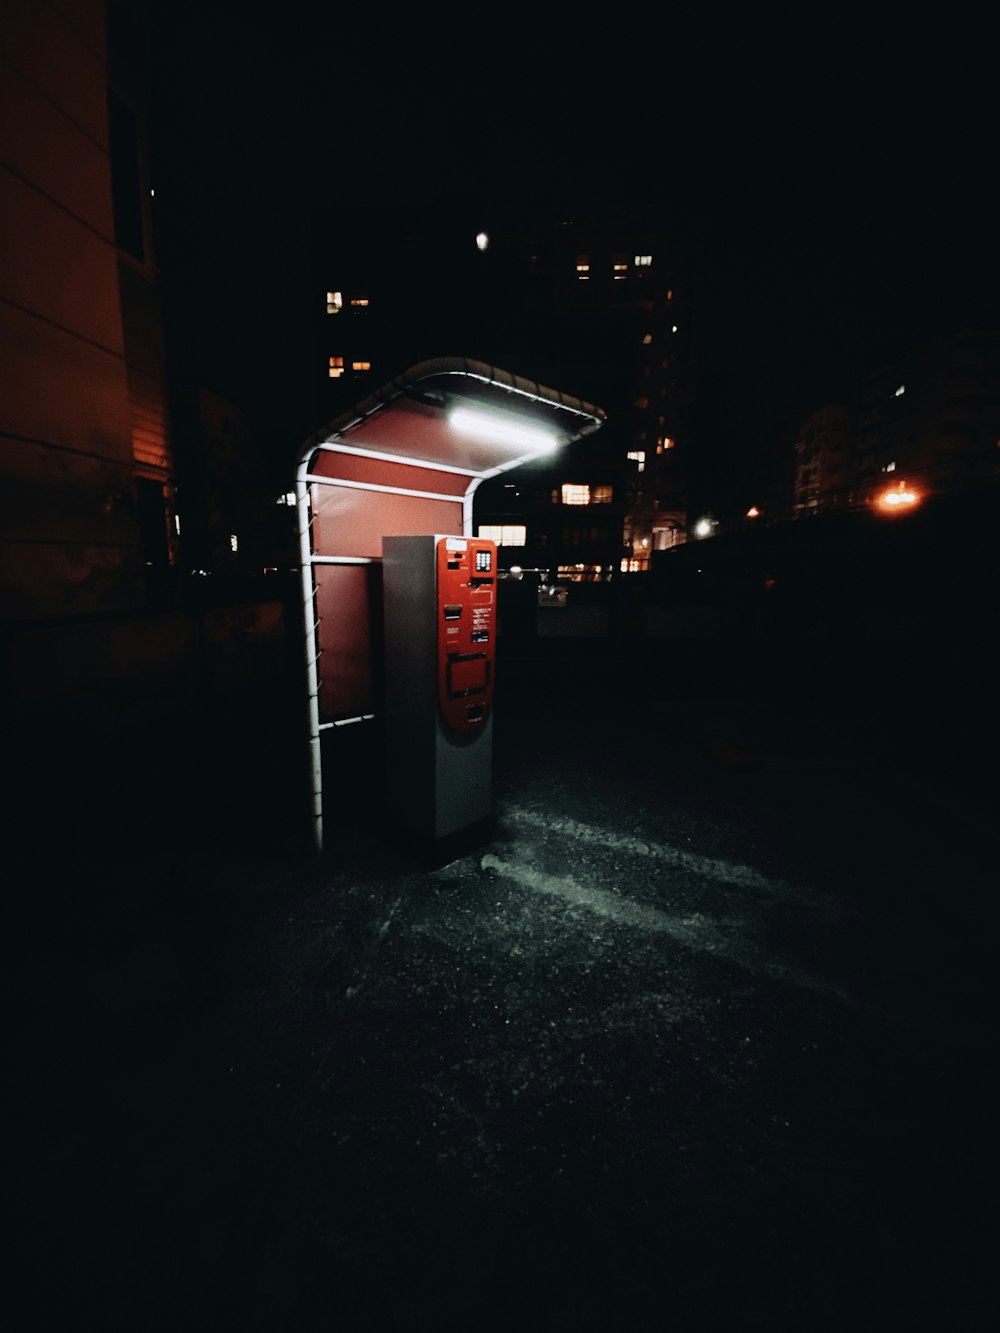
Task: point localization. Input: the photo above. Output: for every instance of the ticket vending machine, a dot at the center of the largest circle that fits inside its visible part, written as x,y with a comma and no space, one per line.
440,603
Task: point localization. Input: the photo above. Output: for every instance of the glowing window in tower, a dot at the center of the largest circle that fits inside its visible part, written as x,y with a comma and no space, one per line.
504,534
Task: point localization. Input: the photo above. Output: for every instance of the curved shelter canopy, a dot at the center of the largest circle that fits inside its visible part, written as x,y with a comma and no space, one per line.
405,461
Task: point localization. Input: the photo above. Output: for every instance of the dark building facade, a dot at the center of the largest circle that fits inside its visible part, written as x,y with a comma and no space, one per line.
87,522
926,424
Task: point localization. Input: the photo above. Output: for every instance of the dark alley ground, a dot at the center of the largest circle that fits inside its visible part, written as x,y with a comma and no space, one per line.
700,1038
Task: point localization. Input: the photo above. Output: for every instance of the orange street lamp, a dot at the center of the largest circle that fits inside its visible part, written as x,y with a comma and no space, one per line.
897,499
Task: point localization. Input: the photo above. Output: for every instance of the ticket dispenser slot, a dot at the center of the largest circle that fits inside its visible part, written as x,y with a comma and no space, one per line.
466,594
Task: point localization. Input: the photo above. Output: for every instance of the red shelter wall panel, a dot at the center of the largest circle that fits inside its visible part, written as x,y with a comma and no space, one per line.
349,522
382,472
349,609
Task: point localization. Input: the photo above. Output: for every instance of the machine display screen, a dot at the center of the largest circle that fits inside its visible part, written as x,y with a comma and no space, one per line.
483,561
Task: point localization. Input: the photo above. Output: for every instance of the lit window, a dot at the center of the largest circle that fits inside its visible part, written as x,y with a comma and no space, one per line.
287,499
889,467
900,391
504,534
643,261
619,269
361,366
601,495
575,495
638,456
334,303
647,338
665,442
234,542
359,302
336,367
673,328
482,240
583,268
177,524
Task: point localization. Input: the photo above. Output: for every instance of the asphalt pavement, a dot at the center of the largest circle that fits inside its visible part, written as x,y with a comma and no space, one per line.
697,1038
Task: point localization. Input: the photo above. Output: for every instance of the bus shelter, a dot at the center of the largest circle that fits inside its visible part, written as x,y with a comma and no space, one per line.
405,461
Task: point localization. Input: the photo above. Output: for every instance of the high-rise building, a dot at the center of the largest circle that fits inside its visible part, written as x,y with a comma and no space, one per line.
826,465
598,310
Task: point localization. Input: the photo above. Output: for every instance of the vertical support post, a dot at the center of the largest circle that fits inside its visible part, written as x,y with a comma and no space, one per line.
311,645
467,500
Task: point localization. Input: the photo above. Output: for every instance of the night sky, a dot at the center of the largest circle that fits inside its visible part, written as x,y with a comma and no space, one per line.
829,186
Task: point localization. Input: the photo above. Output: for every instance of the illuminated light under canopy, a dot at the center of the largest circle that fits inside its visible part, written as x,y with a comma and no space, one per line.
499,430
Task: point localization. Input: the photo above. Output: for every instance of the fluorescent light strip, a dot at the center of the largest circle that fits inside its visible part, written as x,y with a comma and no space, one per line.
498,431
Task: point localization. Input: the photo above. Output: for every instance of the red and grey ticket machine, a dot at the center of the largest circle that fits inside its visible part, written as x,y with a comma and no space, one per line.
440,600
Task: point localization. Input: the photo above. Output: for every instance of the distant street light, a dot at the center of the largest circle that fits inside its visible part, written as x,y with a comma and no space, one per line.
704,527
897,499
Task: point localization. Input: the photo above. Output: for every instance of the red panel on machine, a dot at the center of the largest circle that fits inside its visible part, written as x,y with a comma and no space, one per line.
466,609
